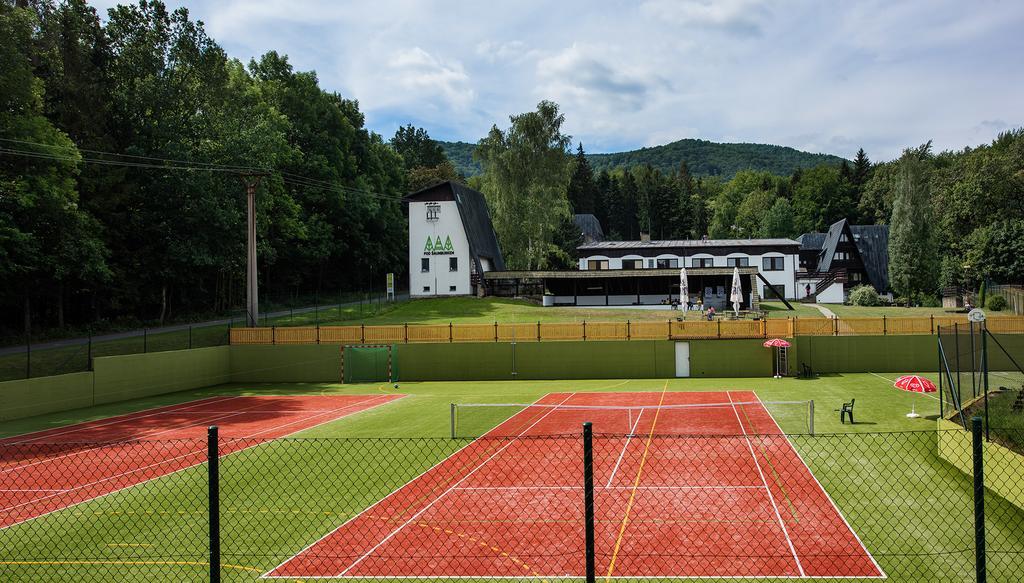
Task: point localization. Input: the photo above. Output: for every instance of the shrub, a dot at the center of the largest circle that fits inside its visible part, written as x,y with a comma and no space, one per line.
930,301
864,295
996,303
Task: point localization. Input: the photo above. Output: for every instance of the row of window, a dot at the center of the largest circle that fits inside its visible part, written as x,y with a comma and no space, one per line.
453,264
767,263
426,288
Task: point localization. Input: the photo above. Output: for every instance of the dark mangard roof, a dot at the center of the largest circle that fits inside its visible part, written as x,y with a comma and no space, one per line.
872,242
590,226
811,241
476,220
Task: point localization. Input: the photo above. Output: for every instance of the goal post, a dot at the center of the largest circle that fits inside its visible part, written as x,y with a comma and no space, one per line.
368,363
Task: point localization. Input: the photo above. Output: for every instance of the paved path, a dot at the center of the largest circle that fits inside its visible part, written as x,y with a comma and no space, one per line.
825,311
174,328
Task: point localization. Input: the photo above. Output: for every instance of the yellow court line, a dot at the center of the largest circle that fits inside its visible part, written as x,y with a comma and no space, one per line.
636,484
131,563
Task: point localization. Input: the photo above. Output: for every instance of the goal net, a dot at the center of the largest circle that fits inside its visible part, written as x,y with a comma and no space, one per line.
469,420
368,363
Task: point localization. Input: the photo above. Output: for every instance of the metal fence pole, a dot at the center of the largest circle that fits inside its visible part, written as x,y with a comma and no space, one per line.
979,500
984,372
956,348
190,336
588,501
811,415
88,356
451,418
28,355
145,340
213,479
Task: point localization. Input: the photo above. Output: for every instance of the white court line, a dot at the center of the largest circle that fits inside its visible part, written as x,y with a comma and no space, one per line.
771,496
161,410
632,433
32,490
268,575
203,449
513,488
825,492
134,439
450,488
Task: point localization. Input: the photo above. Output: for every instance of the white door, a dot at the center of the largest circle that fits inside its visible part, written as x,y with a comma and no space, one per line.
682,359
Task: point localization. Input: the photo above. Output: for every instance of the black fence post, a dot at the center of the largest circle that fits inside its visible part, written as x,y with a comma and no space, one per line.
88,356
190,336
213,479
28,355
979,500
145,340
588,501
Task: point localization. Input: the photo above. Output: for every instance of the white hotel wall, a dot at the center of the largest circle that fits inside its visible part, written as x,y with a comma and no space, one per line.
439,279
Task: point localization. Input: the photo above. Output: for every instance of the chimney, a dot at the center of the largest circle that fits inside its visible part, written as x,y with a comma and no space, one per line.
645,237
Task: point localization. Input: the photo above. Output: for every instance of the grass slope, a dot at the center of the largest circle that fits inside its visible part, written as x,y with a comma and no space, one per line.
912,510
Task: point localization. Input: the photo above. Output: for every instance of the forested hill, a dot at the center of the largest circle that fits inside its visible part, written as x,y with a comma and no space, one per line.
704,158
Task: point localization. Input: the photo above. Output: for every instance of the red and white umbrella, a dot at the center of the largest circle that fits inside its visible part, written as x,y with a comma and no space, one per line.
914,384
777,343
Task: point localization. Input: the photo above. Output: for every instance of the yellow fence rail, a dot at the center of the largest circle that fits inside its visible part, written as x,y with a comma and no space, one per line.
645,330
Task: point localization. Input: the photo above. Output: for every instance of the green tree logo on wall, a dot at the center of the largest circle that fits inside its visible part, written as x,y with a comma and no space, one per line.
436,247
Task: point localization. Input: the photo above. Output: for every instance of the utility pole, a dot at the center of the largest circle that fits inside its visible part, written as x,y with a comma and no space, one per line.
252,304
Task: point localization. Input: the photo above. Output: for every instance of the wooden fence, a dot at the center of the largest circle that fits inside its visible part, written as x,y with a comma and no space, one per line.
643,330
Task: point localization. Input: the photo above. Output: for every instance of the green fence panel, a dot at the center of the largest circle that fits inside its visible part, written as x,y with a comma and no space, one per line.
730,358
595,360
455,362
837,354
119,378
29,397
297,363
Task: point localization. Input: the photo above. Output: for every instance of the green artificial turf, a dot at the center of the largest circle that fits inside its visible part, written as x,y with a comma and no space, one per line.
912,510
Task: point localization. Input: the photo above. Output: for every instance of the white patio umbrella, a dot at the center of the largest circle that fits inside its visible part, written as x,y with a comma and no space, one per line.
684,289
736,295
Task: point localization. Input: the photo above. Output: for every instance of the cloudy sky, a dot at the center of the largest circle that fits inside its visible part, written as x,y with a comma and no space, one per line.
815,75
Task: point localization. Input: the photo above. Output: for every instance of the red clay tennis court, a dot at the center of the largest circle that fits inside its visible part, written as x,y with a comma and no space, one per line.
710,489
118,452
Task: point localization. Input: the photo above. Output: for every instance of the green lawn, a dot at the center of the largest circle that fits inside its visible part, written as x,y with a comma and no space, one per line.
779,310
844,311
912,510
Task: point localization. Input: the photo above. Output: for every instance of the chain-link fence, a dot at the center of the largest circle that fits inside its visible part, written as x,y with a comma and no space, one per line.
42,356
572,507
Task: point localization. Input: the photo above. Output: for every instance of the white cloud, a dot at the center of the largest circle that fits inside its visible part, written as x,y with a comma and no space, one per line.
813,75
418,72
737,16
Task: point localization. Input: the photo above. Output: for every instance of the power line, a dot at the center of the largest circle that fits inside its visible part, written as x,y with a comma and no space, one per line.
183,165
